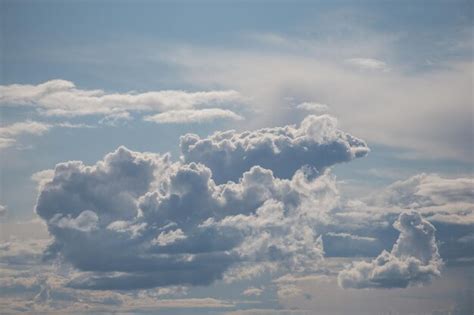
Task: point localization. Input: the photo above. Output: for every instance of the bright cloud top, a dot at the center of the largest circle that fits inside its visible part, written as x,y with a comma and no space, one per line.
317,142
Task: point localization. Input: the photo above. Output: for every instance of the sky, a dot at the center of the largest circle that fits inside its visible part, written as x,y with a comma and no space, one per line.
236,157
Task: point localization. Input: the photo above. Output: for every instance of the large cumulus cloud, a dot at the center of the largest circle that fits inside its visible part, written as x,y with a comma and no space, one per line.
413,260
316,142
138,220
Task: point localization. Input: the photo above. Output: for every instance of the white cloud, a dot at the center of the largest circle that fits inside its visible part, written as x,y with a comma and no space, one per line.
192,116
449,200
414,259
63,98
27,127
9,133
170,237
194,229
252,291
6,142
3,210
132,211
368,63
86,221
409,106
313,107
42,177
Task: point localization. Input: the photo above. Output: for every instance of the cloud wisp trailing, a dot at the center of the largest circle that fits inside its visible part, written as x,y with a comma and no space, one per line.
63,98
10,133
192,116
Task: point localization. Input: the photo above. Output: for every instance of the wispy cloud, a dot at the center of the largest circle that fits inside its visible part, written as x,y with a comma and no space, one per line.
313,107
63,98
10,133
192,116
368,64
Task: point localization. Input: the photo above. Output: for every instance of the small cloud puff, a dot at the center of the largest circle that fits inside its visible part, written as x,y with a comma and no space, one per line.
414,259
313,107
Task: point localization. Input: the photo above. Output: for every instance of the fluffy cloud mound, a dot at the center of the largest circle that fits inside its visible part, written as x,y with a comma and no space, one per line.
414,259
317,142
138,220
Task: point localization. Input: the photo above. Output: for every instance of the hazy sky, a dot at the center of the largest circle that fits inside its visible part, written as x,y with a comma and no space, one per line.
237,157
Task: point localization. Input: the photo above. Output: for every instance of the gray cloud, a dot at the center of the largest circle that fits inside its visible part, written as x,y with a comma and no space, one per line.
317,142
138,220
3,210
414,259
446,202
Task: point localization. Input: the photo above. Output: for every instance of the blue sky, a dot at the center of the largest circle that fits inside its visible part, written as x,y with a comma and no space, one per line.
376,98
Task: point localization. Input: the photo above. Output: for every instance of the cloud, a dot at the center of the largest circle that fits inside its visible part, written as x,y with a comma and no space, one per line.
253,291
192,116
27,127
407,103
6,142
446,202
426,192
167,238
3,210
138,220
414,259
9,133
368,64
317,142
63,98
86,221
313,107
340,244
